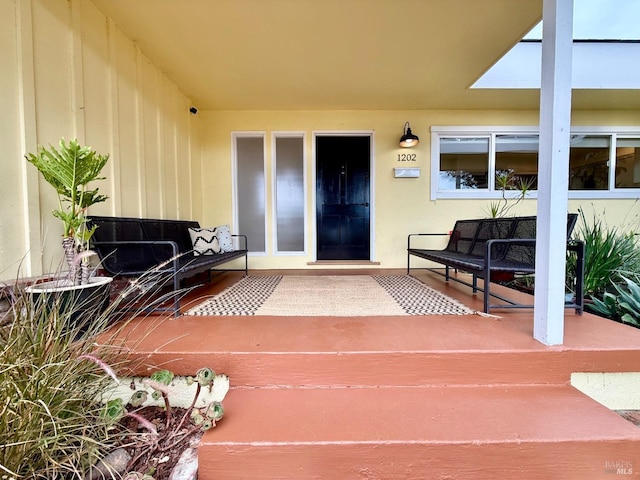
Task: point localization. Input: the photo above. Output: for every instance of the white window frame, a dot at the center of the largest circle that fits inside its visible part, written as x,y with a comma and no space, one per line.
613,132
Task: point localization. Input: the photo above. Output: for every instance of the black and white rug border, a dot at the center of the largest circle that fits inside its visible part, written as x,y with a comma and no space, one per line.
245,297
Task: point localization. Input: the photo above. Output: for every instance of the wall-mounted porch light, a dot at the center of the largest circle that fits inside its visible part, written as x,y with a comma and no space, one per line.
408,139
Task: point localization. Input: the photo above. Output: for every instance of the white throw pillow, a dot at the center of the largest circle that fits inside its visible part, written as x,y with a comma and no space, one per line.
224,238
205,241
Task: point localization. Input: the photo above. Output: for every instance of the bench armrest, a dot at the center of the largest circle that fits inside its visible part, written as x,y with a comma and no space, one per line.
573,245
244,238
171,259
509,241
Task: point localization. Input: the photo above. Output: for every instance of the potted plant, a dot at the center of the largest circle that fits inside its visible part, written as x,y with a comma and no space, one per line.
69,169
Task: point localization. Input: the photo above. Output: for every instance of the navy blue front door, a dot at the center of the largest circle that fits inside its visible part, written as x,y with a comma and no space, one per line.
342,197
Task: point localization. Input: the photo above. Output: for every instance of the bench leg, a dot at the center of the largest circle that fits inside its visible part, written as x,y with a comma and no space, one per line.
486,281
487,295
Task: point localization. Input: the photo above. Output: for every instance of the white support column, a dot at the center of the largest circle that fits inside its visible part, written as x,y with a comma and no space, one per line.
553,171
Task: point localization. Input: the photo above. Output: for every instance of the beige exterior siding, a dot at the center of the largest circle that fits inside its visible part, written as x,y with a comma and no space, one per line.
67,71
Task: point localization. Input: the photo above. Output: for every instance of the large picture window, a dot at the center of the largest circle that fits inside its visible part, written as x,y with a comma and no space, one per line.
464,163
467,161
627,174
517,155
589,162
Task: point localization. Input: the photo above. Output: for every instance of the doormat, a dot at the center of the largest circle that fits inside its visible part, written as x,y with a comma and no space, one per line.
330,295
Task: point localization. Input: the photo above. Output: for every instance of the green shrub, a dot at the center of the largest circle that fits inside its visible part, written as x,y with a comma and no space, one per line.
609,255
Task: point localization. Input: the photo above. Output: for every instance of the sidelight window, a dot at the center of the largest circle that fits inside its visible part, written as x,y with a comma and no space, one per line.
289,197
250,189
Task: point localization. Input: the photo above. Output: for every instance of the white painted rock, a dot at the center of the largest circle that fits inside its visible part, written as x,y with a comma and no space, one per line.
187,466
180,393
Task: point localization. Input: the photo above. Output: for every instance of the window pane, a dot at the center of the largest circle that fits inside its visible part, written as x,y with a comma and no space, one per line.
518,156
464,163
289,194
589,162
628,163
251,191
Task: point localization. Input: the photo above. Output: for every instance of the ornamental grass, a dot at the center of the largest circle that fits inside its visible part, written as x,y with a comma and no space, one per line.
51,425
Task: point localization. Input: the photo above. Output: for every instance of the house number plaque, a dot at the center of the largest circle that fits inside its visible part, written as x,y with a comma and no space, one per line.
407,157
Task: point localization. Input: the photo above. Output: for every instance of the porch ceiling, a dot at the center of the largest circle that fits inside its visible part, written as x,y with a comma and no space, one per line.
337,54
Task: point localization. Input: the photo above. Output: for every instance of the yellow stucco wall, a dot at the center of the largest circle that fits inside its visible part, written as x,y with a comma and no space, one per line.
67,71
400,206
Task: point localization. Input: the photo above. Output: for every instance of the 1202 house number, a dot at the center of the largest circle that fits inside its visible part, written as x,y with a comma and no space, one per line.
407,157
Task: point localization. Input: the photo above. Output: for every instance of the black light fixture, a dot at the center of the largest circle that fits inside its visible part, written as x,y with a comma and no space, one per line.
408,139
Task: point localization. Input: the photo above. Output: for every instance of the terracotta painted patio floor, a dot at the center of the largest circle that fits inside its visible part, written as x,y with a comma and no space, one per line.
469,397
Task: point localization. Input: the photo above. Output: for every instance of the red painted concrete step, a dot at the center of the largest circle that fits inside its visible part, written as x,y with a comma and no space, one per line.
392,351
462,432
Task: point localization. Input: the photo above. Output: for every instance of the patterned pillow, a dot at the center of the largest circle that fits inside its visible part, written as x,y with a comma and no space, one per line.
224,237
205,241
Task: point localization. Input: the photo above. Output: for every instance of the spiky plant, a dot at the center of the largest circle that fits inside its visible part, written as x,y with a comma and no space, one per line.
505,181
69,169
623,304
51,424
610,254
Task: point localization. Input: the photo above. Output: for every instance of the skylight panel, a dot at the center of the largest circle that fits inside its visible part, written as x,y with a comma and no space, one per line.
605,51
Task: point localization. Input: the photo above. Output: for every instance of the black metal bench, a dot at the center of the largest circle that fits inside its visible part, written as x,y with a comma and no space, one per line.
484,247
133,247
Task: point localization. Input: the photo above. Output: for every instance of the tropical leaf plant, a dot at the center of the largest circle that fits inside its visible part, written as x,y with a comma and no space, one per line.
69,169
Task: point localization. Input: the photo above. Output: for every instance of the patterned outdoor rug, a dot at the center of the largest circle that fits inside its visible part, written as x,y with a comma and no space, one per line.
333,295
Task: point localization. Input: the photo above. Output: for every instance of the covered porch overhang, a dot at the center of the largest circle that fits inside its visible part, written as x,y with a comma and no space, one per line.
230,57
